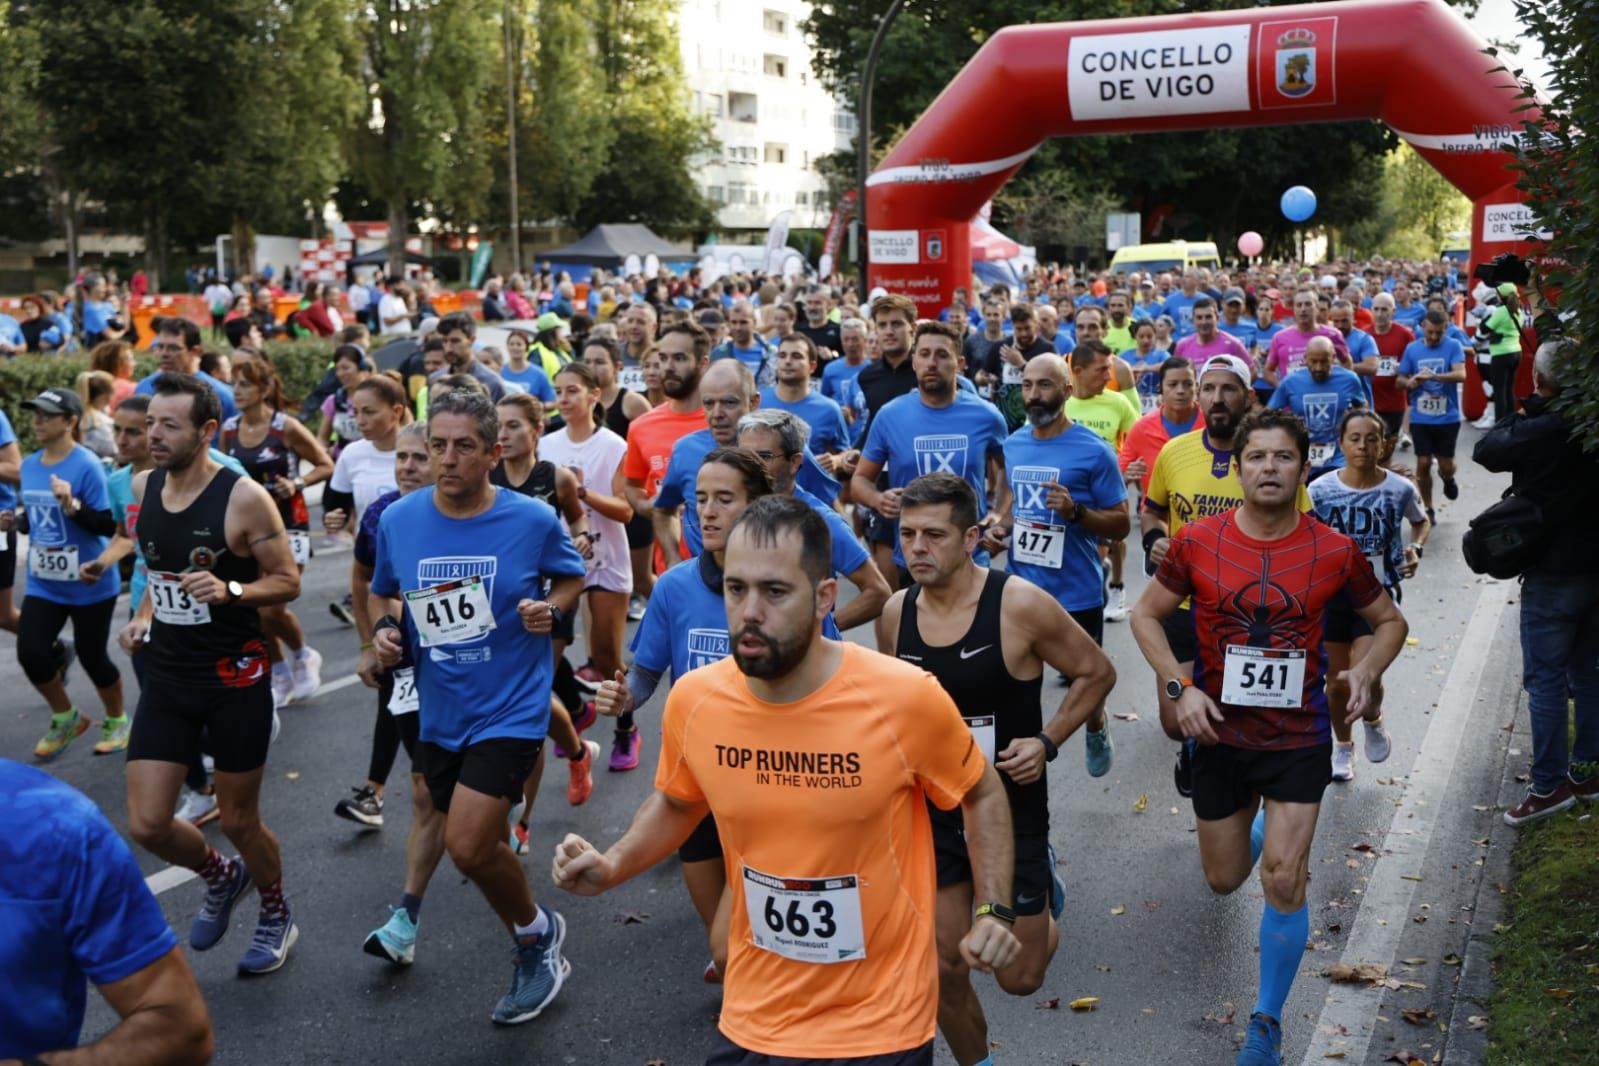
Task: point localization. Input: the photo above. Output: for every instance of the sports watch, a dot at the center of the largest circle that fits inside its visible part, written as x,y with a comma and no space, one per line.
995,910
1051,749
1174,688
235,592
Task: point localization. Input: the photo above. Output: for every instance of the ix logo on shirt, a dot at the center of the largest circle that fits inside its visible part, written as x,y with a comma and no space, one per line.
1320,407
1028,483
706,646
943,453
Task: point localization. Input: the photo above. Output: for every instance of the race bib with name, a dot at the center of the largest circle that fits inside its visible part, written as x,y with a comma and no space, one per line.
983,732
404,700
46,563
1432,404
452,613
173,604
1263,677
1038,545
806,919
1321,453
300,546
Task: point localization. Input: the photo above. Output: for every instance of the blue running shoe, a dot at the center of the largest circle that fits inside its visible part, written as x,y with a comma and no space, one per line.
1264,1046
539,974
1097,751
1183,773
1057,887
217,910
270,946
395,941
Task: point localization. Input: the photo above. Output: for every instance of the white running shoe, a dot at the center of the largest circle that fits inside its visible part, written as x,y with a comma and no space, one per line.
1343,763
198,808
282,688
307,673
1116,607
1378,744
1486,421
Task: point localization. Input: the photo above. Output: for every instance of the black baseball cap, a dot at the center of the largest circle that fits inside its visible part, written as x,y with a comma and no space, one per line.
56,400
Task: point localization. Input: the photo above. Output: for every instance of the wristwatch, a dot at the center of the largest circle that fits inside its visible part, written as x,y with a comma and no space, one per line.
995,910
235,592
1051,749
1078,510
1174,688
557,616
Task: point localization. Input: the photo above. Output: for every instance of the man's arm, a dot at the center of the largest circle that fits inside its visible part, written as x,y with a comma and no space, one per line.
991,844
564,591
254,515
1389,630
863,485
1111,523
1155,604
164,1021
659,828
872,592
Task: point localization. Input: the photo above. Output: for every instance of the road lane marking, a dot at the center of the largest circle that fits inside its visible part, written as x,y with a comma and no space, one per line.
1351,1010
173,876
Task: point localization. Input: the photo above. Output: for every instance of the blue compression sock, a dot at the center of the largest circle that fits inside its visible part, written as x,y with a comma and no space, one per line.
1282,947
1257,837
988,1060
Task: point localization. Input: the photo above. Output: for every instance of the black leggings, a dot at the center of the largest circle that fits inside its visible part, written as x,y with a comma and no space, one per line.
42,622
388,733
1502,376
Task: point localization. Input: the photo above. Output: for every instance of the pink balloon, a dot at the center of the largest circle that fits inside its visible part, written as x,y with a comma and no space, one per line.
1250,243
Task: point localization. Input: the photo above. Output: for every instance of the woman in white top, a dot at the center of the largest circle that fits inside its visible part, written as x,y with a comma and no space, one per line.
365,469
594,454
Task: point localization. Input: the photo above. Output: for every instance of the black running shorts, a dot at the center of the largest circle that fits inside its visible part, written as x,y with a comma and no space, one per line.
497,767
1227,779
236,722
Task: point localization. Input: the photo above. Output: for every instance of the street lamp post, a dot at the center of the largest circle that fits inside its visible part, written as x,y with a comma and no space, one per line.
863,162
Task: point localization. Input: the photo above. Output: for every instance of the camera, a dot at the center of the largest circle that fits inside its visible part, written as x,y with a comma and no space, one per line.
1506,266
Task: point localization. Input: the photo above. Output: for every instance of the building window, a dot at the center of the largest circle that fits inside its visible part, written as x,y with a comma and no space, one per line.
775,22
741,194
741,107
801,198
843,122
774,66
776,153
716,194
713,105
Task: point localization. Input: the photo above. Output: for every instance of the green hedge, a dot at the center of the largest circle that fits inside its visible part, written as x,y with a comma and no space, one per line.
300,365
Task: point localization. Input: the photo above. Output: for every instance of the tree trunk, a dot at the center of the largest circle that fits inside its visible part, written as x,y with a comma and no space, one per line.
242,248
69,215
399,222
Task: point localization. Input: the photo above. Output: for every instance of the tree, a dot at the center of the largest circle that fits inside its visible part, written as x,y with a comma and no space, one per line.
430,66
644,173
1417,209
1559,164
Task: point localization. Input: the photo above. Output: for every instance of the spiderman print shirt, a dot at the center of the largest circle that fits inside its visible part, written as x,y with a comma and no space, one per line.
1252,593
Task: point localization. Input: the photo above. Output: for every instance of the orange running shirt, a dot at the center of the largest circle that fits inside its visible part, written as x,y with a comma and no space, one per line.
826,838
650,437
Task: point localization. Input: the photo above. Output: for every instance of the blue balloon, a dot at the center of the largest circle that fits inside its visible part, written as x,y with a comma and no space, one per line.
1298,203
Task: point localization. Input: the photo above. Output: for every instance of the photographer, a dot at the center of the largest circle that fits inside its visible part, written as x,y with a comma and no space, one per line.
1560,588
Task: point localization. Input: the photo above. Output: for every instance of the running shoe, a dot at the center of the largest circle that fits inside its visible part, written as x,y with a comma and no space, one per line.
113,736
1264,1046
282,688
624,750
1183,773
1486,421
364,807
64,732
712,976
1378,744
340,609
1116,606
1097,751
307,674
519,839
198,808
580,782
516,832
1057,887
212,921
269,948
585,716
395,940
636,606
65,652
1451,489
1404,442
1343,761
589,678
538,975
1534,806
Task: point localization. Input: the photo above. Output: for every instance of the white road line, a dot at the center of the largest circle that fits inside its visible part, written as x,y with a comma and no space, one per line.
1351,1010
173,876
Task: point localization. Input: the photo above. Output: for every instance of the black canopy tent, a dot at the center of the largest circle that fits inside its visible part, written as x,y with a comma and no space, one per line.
379,257
610,245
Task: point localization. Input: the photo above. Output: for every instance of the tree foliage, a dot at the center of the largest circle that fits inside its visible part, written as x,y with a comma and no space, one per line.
1559,164
1416,211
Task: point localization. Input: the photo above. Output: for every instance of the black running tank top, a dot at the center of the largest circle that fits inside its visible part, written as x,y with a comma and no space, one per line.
615,420
973,672
540,483
227,651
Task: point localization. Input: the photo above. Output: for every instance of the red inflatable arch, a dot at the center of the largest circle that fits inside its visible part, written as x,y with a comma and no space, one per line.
1414,64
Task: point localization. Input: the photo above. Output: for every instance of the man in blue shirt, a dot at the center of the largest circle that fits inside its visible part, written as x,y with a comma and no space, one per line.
177,346
746,345
1431,371
839,378
1234,322
73,909
1407,311
469,564
778,439
796,362
1180,305
1361,345
935,429
1067,495
1321,394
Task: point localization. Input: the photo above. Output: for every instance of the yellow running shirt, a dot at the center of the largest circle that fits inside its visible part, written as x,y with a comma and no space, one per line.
1192,480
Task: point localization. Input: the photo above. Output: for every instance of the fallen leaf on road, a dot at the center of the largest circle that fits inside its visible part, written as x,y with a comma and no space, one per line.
1413,642
1478,1021
1334,1054
1141,802
1362,846
1119,909
1481,807
1333,1030
1344,973
1052,1003
656,1062
1084,1003
1409,1058
1416,960
1174,810
293,775
1101,967
632,918
1558,993
1225,1017
1127,716
1451,960
1418,1015
1409,877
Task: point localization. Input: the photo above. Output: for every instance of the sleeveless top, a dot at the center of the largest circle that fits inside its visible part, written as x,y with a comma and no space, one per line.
973,672
267,461
540,483
227,652
615,420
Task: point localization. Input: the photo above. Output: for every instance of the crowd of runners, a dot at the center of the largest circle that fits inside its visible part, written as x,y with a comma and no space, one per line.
857,829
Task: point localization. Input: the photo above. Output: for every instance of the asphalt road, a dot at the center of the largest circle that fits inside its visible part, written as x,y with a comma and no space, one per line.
1406,857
